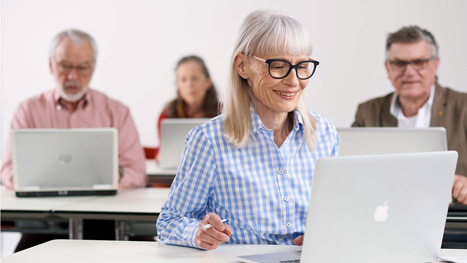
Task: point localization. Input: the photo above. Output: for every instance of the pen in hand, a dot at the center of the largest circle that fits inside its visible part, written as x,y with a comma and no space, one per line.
209,225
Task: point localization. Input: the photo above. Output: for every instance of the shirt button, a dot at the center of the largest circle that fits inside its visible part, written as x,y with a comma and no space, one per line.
286,198
281,171
59,107
288,224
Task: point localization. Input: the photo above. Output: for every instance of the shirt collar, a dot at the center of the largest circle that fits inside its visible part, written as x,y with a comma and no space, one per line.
256,124
297,121
255,121
395,109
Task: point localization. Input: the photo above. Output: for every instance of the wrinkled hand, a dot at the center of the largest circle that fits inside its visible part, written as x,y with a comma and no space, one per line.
459,188
298,241
211,238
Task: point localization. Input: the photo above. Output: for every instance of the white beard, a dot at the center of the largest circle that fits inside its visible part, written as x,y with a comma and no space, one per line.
72,97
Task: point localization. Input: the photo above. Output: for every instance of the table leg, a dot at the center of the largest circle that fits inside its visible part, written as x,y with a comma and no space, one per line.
120,230
75,228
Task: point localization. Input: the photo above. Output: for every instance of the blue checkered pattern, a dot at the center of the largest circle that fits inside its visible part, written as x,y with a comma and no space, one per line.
263,190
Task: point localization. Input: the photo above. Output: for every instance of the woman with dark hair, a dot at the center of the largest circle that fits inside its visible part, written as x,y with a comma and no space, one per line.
196,94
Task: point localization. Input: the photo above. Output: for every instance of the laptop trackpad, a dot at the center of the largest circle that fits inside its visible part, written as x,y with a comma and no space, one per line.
280,257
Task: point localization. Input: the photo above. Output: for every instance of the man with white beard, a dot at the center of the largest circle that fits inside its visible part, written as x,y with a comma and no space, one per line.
72,104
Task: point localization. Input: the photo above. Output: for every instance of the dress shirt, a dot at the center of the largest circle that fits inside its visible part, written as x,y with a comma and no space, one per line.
95,110
263,190
421,120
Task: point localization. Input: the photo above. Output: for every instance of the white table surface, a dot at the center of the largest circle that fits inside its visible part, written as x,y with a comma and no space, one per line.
139,200
141,204
70,251
10,202
129,204
90,251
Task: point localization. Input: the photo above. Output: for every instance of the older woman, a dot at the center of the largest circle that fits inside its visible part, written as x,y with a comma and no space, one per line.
253,165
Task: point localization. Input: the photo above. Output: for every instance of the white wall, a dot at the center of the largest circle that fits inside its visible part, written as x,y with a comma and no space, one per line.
140,41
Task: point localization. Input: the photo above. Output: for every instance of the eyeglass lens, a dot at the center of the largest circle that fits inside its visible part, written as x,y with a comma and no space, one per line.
67,68
417,64
280,69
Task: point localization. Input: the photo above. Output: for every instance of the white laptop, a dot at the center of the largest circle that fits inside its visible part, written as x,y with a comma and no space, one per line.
62,162
360,141
173,135
376,208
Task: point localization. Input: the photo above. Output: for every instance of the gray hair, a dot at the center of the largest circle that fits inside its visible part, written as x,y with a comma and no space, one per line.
263,33
412,34
74,35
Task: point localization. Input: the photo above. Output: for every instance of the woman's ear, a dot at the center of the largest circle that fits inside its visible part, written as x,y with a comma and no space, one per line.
240,63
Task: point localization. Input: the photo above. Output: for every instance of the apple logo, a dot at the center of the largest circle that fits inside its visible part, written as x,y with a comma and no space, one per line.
381,213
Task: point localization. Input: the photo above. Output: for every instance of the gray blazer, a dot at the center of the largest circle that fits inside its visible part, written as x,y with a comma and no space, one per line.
449,110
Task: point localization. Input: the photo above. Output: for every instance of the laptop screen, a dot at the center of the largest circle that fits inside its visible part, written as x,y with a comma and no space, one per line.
173,135
65,159
361,141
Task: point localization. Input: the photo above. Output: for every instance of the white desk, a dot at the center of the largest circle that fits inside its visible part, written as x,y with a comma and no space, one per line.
70,251
36,208
11,203
142,204
126,203
129,204
59,251
13,207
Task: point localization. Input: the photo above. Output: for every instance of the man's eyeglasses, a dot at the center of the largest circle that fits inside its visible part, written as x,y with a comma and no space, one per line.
280,68
401,65
66,68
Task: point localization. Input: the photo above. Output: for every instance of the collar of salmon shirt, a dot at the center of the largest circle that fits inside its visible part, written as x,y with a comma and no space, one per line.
60,102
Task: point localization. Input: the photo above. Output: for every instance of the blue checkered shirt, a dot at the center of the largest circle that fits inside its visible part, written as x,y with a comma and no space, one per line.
263,190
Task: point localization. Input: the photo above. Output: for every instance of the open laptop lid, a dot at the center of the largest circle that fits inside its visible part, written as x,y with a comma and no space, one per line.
380,208
173,135
361,141
48,162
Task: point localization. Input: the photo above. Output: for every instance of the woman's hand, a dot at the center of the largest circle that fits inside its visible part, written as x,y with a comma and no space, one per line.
211,238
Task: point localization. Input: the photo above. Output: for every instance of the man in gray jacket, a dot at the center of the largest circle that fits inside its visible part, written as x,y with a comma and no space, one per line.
419,101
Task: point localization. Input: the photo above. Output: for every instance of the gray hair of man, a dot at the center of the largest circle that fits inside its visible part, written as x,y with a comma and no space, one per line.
74,35
412,34
263,33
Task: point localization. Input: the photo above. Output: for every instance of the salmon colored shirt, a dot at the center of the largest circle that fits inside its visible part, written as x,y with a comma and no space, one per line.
95,110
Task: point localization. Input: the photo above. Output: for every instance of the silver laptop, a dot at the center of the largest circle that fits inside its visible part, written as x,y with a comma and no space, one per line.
360,141
56,162
173,135
376,208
